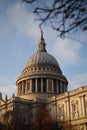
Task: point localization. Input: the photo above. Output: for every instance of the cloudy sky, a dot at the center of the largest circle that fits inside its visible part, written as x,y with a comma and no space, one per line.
19,37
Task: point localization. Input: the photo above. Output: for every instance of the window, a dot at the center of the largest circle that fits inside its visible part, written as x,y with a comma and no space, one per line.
47,68
50,111
39,85
59,89
44,85
39,68
33,85
31,69
73,110
43,68
35,69
61,112
55,70
49,84
51,69
55,86
73,107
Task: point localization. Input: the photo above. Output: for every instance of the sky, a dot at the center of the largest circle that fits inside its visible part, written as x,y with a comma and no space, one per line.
19,37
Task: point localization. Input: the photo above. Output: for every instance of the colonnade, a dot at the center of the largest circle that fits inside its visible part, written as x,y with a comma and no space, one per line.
41,85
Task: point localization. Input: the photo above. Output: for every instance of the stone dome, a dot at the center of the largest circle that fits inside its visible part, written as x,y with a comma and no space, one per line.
41,76
42,58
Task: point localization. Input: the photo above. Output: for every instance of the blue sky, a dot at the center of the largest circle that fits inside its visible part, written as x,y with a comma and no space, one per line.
19,37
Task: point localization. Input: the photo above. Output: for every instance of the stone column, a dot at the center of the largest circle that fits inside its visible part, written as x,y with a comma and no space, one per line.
79,105
54,110
35,85
63,111
71,111
66,108
41,84
22,88
47,85
77,114
17,89
57,86
30,85
60,86
52,86
68,112
26,87
63,87
83,105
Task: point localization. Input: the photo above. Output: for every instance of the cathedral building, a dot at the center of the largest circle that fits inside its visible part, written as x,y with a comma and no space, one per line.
42,83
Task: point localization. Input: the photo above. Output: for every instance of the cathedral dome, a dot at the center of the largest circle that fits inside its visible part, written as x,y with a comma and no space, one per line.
41,58
41,76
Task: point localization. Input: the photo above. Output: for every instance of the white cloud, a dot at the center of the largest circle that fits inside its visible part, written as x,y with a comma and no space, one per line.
67,51
7,90
23,21
17,20
6,86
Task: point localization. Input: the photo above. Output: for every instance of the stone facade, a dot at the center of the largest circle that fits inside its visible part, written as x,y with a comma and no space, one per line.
43,84
70,106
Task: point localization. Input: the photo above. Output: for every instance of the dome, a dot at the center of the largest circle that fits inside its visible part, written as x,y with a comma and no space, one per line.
41,76
42,58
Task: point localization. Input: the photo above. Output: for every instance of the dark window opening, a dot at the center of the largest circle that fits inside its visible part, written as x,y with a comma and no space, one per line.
44,85
33,85
39,85
55,86
59,89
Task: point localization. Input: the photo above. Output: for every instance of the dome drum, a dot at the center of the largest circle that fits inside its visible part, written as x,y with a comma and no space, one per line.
42,75
41,85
